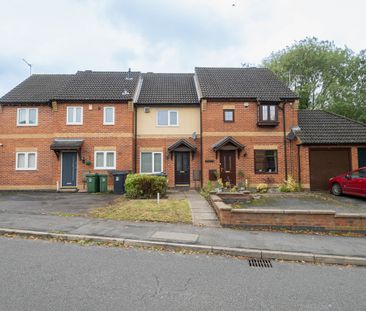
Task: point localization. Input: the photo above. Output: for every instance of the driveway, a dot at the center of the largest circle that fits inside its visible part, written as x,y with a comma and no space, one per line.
309,201
47,203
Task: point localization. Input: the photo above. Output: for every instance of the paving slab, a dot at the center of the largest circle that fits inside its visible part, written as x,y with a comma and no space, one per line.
175,237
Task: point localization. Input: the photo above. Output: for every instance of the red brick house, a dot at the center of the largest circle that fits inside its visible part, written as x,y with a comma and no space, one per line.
246,115
237,123
53,126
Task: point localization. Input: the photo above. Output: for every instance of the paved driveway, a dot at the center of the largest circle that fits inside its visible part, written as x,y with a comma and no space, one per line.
51,202
310,201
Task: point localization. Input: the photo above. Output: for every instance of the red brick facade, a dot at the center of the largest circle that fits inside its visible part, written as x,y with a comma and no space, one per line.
51,125
120,138
246,131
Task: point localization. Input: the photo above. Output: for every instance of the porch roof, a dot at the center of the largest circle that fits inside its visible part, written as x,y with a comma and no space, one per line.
227,141
182,145
66,144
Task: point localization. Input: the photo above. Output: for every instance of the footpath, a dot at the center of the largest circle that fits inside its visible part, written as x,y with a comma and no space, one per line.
254,244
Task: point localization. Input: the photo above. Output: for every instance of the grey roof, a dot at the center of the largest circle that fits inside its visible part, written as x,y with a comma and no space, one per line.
168,88
242,83
99,85
321,127
38,88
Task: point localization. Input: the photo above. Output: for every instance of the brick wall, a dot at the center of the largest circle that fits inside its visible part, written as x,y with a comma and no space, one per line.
289,219
52,124
246,131
161,144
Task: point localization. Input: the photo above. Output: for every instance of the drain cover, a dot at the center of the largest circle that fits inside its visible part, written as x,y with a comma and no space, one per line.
261,263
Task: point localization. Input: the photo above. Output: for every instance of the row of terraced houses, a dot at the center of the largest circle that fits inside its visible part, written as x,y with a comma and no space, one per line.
240,124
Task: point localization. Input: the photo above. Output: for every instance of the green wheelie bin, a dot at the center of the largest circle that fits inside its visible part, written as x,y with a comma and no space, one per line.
92,181
103,182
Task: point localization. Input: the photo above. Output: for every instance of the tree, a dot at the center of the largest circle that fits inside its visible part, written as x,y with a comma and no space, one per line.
324,76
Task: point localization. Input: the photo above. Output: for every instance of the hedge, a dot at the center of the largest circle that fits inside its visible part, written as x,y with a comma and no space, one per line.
139,186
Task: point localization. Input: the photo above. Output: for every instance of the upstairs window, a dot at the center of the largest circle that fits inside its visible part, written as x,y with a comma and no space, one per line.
74,116
167,118
228,115
265,161
268,114
108,118
27,116
26,161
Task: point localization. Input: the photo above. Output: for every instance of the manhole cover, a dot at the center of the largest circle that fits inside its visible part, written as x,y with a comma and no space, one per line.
261,263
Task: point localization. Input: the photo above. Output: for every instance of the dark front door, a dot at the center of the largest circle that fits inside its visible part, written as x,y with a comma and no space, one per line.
361,157
227,166
182,168
69,162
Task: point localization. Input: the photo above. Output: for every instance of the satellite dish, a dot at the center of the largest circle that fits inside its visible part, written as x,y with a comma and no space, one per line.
194,135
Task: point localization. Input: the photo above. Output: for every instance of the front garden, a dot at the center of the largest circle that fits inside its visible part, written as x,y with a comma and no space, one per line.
146,199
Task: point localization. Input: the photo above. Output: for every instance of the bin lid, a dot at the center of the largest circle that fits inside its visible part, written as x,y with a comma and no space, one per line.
91,174
120,172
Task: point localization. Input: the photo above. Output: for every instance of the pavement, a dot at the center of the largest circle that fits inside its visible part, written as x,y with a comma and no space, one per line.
303,247
45,276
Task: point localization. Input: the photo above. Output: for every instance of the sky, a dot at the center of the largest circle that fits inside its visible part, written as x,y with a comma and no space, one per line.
63,36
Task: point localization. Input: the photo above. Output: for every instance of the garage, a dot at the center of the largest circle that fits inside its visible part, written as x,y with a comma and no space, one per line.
327,163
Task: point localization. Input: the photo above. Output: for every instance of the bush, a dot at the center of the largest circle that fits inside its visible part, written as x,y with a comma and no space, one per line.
145,186
290,185
262,188
205,191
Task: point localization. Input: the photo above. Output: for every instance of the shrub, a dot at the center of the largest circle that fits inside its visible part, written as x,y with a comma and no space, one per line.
205,191
145,186
262,188
290,185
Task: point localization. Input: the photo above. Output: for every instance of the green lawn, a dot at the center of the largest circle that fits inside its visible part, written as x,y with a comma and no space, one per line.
145,210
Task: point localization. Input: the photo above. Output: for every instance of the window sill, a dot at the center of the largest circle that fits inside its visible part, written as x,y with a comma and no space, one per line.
108,124
267,123
25,125
104,168
167,126
26,169
265,173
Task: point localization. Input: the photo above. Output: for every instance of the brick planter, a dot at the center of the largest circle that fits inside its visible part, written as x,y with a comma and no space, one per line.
314,220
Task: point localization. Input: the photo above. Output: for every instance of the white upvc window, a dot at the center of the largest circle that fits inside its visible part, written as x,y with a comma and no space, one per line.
108,115
74,115
167,118
27,116
26,161
151,162
104,160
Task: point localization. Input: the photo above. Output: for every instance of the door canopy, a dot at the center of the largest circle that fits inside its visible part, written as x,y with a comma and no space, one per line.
60,144
182,145
228,143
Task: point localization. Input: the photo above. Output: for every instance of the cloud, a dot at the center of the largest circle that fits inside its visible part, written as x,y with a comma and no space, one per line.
163,35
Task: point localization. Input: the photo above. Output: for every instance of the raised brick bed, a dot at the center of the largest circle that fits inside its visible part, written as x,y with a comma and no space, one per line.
315,220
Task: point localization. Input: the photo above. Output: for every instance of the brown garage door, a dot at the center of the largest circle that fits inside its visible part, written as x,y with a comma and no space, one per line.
327,163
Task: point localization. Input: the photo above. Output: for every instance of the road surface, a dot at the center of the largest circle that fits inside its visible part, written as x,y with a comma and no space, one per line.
42,275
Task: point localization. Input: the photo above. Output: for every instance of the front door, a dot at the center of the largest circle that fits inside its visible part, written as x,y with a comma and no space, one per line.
227,166
182,166
69,170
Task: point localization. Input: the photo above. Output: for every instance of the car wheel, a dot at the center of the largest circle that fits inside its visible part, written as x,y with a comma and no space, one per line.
336,189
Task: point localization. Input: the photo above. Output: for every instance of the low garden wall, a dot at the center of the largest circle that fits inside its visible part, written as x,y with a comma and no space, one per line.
314,220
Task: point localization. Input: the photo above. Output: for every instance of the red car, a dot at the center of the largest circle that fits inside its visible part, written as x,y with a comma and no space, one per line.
353,183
